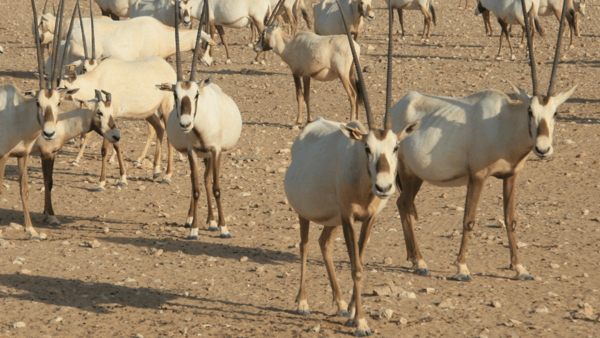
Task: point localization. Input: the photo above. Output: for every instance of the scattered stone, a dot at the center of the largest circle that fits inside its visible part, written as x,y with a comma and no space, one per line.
260,269
285,274
387,261
315,328
409,295
19,325
65,243
428,290
25,272
139,336
554,266
15,226
106,230
283,151
521,245
91,244
585,275
446,304
382,291
386,313
586,309
542,309
582,155
142,188
158,252
444,195
129,280
501,224
367,69
57,319
146,164
243,259
496,304
403,320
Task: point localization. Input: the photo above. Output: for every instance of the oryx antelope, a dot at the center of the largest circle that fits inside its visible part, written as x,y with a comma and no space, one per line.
204,123
464,141
328,20
289,12
134,97
116,9
340,174
162,10
554,7
83,117
509,12
22,119
425,6
323,58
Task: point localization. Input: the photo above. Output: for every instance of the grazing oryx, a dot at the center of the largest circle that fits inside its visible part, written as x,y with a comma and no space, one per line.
232,14
509,12
328,20
134,97
323,58
554,7
340,174
205,122
464,141
95,115
116,9
162,10
22,119
425,6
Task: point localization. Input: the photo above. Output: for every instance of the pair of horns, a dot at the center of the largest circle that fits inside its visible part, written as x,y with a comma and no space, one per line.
532,63
85,50
274,13
99,95
361,81
203,16
38,47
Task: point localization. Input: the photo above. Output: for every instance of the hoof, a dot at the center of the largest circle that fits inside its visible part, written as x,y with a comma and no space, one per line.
187,225
75,163
524,277
137,164
70,143
157,175
226,236
498,58
166,181
36,239
343,313
462,278
99,189
362,333
194,237
350,323
122,184
213,228
303,312
228,61
422,272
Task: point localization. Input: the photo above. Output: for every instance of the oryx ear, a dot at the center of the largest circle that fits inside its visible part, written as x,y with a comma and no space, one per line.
83,105
521,94
71,67
71,91
104,58
31,93
560,98
352,133
205,82
166,86
408,130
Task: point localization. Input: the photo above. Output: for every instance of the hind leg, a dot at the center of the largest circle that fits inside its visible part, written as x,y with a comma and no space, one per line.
151,133
326,243
210,220
426,22
306,81
401,20
222,35
352,96
301,299
84,142
154,121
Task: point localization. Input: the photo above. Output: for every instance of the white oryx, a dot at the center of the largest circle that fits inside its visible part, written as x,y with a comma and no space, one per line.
116,9
510,12
464,141
94,115
134,97
22,120
323,58
328,20
289,11
425,6
554,7
162,10
232,14
341,174
204,123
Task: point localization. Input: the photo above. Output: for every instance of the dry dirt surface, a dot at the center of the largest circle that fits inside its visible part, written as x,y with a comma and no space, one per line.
143,278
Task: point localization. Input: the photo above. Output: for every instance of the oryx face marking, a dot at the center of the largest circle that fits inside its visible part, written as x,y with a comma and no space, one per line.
186,100
103,120
365,9
267,40
48,103
381,148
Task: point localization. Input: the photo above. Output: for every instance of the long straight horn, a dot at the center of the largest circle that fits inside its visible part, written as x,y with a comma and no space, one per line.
98,95
93,32
38,47
45,7
361,80
198,38
108,95
64,55
557,52
388,89
57,35
177,51
534,78
274,12
85,51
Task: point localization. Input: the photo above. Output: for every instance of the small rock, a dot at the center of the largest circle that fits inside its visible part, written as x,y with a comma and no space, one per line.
382,291
158,252
501,224
444,195
496,304
92,244
139,336
367,69
146,164
315,328
446,304
243,259
387,261
587,309
554,266
106,230
19,325
403,320
15,226
386,313
521,245
25,272
57,319
409,295
260,269
582,155
129,280
142,188
542,309
283,151
428,290
585,275
65,243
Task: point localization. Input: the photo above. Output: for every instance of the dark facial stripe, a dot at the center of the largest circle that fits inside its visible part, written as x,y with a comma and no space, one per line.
186,105
543,129
111,122
48,117
107,104
383,165
543,101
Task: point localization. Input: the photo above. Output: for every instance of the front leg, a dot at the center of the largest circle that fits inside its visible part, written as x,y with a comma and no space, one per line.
104,153
301,299
216,161
222,35
306,80
122,170
298,97
84,141
326,243
22,161
193,159
511,224
48,170
208,171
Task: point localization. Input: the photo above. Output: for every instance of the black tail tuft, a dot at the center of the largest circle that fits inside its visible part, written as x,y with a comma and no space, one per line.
432,10
398,182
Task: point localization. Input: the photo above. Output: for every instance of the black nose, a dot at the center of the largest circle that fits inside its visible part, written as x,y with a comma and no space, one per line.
539,151
116,138
383,189
49,135
184,125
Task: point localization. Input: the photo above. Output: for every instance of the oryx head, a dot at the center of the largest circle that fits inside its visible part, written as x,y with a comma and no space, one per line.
103,121
365,10
185,10
267,39
579,7
542,110
45,25
380,145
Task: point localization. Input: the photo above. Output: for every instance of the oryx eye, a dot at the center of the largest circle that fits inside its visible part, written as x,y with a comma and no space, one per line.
99,113
396,149
530,112
197,94
368,150
555,113
58,104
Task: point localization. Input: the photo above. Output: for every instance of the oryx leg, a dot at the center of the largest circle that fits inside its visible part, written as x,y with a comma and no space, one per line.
222,35
400,18
154,121
487,23
165,109
298,97
306,80
576,24
359,321
84,141
3,161
408,214
122,170
104,153
216,163
48,170
426,21
22,162
474,188
151,133
352,96
504,32
511,224
193,159
208,171
190,218
301,299
207,58
326,242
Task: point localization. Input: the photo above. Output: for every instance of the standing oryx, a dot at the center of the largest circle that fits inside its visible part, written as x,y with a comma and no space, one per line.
162,10
464,141
425,6
204,123
328,20
510,12
554,7
23,119
341,174
323,58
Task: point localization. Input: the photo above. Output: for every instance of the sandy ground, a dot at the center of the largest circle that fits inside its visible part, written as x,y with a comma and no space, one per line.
146,279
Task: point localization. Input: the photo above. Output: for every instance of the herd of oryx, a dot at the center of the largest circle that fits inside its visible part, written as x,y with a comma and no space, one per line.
102,70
